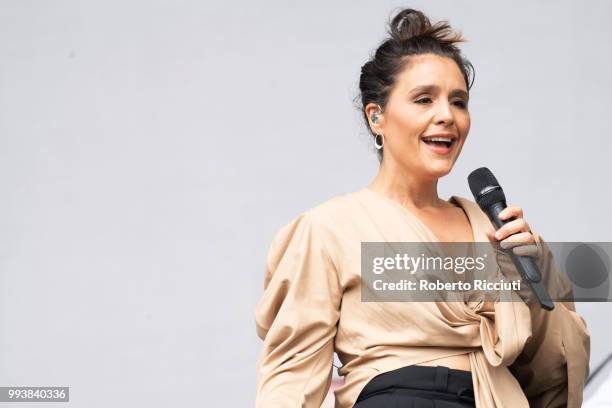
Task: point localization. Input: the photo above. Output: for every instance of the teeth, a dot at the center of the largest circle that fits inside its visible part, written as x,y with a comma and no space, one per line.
439,139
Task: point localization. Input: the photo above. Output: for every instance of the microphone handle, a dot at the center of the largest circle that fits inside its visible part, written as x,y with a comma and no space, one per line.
524,264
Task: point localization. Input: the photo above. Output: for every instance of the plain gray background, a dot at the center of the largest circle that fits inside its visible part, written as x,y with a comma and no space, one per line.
149,150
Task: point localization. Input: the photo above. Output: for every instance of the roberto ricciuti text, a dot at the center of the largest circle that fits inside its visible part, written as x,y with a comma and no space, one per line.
425,285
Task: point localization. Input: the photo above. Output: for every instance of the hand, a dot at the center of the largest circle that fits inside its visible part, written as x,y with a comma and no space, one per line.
516,234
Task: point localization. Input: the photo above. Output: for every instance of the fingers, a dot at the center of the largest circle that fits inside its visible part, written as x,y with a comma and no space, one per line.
522,244
511,211
517,239
513,227
527,250
515,234
491,234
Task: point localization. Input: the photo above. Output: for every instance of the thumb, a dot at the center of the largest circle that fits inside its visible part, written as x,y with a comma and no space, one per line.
491,234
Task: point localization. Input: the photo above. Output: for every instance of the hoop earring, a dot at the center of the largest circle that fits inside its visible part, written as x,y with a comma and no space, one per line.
377,144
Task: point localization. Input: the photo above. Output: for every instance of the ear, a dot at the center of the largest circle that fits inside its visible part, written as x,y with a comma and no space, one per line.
370,109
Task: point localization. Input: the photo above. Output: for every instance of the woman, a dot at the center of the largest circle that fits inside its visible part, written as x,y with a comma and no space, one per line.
451,354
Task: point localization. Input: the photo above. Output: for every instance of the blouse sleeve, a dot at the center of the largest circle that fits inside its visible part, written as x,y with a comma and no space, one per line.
296,318
554,363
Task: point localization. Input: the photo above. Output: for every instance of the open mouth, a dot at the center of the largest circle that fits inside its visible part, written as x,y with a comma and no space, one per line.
439,144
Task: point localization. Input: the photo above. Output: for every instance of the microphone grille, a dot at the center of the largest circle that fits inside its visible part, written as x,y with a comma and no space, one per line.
480,179
485,187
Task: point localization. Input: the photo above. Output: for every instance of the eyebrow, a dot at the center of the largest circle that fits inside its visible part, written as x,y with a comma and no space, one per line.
435,88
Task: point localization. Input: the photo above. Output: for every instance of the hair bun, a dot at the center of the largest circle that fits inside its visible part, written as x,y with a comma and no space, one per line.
410,23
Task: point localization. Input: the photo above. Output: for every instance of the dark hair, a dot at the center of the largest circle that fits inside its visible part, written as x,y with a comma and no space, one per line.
411,33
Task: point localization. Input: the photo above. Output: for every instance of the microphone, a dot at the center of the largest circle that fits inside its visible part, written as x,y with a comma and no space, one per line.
492,200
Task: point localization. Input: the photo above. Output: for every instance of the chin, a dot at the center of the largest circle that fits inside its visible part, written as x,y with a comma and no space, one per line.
439,171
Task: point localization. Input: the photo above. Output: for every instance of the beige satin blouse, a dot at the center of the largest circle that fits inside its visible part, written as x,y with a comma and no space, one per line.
520,355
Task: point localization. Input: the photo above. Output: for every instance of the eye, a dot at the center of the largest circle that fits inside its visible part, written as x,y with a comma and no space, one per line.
423,100
460,103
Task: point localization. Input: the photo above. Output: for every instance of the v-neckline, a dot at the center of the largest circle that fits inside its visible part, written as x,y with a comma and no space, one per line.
414,217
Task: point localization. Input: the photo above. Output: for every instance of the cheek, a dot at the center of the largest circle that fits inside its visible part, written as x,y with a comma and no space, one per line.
464,124
412,122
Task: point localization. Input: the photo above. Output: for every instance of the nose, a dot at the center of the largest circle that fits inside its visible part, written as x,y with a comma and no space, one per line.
443,114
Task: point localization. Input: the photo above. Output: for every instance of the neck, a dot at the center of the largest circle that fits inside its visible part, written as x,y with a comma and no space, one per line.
406,187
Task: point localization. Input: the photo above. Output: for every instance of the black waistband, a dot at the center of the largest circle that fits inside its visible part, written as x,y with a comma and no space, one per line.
440,378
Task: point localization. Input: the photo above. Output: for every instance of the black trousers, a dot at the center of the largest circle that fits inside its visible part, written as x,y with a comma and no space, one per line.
419,387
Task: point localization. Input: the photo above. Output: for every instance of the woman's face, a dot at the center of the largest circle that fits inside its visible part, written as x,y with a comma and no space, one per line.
429,98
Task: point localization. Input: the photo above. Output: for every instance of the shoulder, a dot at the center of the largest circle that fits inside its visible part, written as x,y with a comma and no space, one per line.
330,210
311,231
321,219
327,211
469,205
463,202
